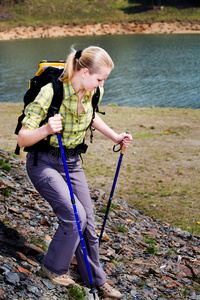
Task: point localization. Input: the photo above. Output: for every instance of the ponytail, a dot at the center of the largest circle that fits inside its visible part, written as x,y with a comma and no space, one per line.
93,58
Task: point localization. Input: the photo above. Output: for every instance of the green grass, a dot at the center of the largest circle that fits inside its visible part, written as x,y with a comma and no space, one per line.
115,263
6,192
152,249
77,293
142,283
4,163
6,167
40,242
75,12
112,207
121,229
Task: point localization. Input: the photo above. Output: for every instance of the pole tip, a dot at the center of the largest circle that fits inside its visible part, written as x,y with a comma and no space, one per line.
93,291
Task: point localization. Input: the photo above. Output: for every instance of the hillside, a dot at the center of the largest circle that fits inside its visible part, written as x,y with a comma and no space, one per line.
144,257
160,170
63,18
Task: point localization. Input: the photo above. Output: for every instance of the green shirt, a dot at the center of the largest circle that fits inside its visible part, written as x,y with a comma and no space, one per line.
74,125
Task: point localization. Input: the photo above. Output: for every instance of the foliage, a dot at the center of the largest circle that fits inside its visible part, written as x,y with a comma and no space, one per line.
6,192
121,229
152,249
4,163
6,167
11,2
142,283
40,242
115,263
77,293
112,207
174,3
75,12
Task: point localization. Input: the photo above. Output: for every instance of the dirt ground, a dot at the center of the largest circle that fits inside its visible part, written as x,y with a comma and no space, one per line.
99,29
160,170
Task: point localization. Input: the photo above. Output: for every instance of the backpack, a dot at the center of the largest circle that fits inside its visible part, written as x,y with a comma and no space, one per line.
50,71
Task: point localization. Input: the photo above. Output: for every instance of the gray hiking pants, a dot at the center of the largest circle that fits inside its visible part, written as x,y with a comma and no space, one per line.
49,179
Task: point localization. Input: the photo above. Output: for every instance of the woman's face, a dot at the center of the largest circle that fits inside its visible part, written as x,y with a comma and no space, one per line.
92,81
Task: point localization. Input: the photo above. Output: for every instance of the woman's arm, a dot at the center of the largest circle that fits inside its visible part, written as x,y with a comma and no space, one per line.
28,137
101,126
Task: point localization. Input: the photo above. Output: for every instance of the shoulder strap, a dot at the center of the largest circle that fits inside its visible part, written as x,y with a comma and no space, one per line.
55,102
57,98
95,102
53,109
37,82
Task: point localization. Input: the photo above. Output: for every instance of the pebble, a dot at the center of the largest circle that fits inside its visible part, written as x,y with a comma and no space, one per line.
145,259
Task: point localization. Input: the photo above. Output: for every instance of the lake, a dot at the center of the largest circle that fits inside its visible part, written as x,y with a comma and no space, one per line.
150,70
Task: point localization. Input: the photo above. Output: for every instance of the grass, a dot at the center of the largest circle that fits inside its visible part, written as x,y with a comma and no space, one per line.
6,167
121,229
5,164
74,12
77,293
40,242
159,173
6,192
152,249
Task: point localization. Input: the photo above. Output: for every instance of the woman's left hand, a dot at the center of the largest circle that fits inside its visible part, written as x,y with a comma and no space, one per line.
125,138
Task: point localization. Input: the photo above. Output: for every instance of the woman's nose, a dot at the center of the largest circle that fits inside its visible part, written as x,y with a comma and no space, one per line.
101,84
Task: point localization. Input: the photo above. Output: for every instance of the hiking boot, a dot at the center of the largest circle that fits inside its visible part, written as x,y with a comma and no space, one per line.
109,291
56,278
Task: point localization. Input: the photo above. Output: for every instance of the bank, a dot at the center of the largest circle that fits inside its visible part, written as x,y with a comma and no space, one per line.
31,32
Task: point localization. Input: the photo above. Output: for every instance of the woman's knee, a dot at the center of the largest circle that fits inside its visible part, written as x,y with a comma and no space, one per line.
81,218
69,216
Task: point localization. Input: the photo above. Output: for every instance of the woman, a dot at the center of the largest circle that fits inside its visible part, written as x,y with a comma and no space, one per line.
84,72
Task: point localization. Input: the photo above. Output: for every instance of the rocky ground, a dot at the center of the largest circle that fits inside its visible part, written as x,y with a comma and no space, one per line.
143,257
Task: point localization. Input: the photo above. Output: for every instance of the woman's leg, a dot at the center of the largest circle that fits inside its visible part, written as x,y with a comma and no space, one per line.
51,185
81,191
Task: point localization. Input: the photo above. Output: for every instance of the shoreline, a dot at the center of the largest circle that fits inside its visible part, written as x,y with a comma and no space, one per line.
31,32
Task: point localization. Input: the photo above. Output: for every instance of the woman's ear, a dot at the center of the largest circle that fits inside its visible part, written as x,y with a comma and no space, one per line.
85,71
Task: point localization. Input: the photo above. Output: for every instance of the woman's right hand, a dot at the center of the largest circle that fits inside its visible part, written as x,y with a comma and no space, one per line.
54,124
27,137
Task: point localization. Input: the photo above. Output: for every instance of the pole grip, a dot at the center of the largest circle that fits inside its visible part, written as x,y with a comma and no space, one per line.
123,149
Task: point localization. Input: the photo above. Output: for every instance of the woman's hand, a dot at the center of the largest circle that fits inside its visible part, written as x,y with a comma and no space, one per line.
125,138
28,137
54,124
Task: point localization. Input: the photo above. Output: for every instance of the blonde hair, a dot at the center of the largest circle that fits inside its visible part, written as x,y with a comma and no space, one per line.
93,58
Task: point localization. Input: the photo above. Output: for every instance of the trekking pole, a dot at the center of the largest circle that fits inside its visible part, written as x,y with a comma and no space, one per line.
122,148
93,290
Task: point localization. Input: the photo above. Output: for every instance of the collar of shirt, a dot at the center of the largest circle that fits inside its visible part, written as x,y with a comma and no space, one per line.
69,91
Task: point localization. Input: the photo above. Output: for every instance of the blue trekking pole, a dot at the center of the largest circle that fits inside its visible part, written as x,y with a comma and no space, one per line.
93,290
122,148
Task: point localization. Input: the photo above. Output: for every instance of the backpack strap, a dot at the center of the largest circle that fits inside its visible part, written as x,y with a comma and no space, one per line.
53,109
95,102
56,101
50,74
57,98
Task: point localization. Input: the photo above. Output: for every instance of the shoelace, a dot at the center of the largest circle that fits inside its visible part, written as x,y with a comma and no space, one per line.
107,287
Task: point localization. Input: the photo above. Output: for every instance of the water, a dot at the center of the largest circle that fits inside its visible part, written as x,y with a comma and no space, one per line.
150,70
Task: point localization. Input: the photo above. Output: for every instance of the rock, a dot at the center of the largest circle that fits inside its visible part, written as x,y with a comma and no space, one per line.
11,277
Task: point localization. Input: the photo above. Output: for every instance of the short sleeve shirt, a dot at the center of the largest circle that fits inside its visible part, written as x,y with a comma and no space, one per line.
74,125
